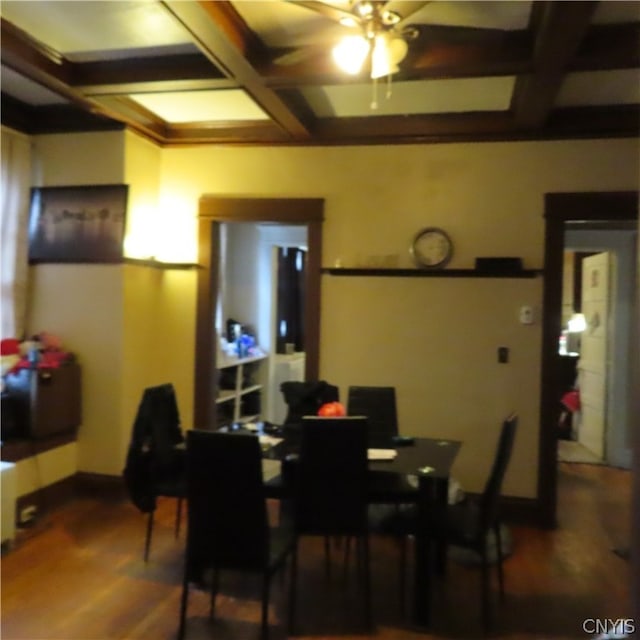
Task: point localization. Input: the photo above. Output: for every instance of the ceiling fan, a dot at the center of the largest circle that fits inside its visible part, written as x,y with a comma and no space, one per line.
376,36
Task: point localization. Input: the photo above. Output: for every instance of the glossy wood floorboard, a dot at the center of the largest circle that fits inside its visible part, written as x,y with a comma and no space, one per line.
78,574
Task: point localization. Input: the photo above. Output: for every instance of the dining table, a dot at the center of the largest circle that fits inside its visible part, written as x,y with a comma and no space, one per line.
426,463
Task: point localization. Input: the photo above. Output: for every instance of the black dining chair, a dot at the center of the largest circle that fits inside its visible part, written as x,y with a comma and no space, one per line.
471,524
305,398
155,464
228,524
378,404
330,490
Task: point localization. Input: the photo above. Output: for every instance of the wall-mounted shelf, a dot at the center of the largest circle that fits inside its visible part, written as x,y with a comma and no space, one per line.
428,273
158,264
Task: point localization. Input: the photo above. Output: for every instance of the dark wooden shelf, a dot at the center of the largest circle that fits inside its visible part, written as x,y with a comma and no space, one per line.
157,264
430,273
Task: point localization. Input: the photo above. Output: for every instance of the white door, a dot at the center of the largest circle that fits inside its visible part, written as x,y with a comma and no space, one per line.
592,366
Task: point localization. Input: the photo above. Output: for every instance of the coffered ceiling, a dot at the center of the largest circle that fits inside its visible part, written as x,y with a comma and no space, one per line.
261,72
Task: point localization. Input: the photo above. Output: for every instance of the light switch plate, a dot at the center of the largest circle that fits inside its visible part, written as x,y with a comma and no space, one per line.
526,315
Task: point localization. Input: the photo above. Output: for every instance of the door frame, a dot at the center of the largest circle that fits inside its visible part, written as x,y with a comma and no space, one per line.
212,211
558,209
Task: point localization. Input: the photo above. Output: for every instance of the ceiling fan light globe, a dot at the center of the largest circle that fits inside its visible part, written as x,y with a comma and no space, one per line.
398,49
350,53
346,21
387,53
364,9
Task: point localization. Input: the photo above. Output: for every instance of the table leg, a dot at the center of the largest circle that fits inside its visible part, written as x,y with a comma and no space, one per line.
423,549
439,511
432,506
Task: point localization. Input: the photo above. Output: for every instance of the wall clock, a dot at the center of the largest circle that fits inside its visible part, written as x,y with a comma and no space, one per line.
432,248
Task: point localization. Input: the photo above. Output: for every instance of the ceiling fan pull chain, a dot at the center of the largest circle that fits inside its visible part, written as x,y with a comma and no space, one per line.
374,97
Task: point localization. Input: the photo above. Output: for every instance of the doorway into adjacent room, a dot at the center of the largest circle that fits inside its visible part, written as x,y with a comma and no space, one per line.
566,213
214,212
261,289
598,299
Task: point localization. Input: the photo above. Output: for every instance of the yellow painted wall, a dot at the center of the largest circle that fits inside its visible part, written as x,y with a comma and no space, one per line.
159,305
83,303
435,340
129,325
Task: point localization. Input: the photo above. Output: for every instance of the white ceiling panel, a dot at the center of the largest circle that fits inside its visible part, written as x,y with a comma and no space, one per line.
26,90
410,98
77,27
590,88
201,106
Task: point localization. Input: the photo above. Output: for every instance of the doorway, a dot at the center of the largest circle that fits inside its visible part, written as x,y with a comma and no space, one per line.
214,211
560,209
261,289
599,303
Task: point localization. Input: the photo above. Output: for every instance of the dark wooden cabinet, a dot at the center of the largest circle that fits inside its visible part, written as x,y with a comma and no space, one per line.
48,402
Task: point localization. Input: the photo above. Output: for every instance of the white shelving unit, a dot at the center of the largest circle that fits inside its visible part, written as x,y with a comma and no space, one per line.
230,401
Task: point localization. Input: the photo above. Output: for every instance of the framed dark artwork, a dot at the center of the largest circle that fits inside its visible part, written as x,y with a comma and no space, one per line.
77,224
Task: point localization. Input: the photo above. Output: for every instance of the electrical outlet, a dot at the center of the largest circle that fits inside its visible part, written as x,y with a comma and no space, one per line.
503,355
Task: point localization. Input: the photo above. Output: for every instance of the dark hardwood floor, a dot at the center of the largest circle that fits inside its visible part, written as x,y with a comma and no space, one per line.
78,574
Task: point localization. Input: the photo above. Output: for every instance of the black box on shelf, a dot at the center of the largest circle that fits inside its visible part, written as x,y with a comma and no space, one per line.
498,265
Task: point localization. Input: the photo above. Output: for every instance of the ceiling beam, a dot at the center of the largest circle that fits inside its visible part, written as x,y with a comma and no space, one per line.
614,46
574,123
560,27
591,122
135,115
213,27
183,72
236,132
26,56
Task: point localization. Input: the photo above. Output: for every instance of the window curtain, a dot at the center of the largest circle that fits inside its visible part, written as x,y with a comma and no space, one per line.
290,302
16,178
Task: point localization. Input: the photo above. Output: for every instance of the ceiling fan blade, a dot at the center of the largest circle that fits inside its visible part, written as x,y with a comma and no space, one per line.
405,8
293,56
327,10
455,34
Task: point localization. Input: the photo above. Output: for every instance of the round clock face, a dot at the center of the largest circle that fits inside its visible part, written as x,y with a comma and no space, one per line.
432,248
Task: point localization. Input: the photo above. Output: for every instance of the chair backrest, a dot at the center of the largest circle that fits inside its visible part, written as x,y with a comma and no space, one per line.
330,488
491,494
305,398
152,454
157,423
227,513
378,404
